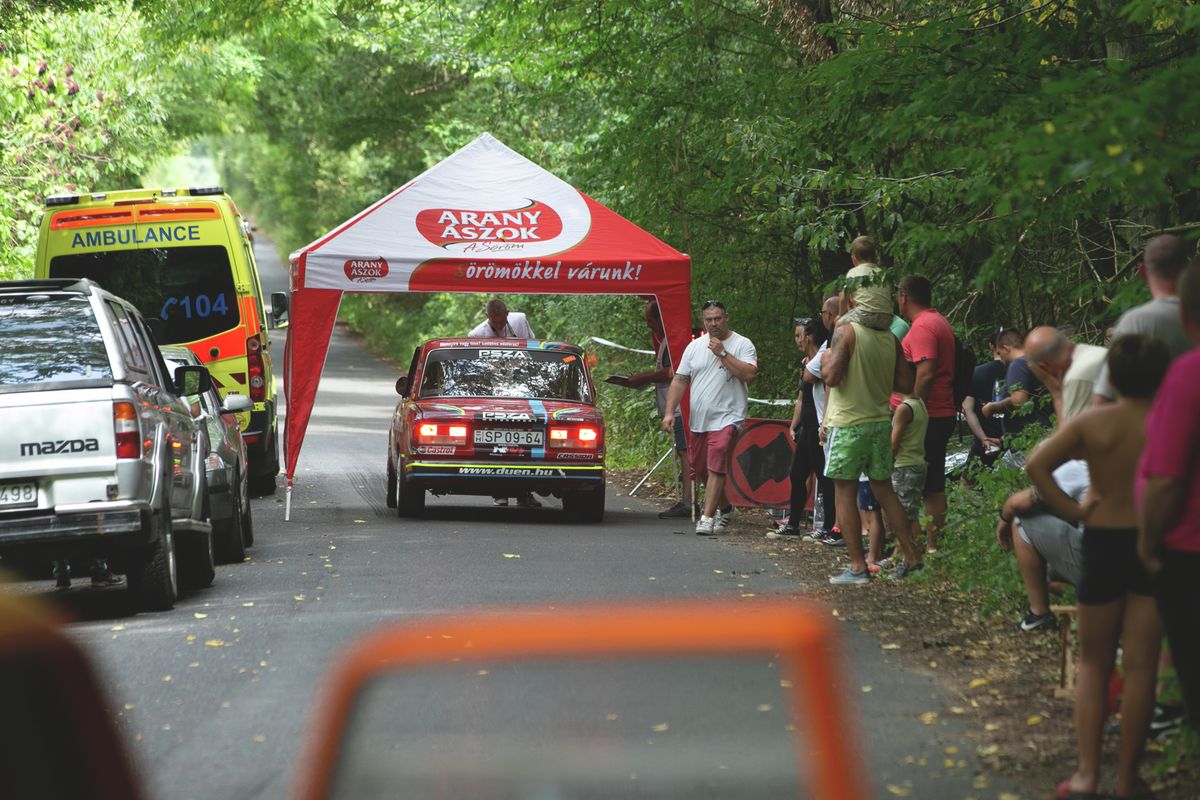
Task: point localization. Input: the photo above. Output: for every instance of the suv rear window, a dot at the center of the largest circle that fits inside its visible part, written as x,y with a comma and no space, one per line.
190,289
495,372
51,343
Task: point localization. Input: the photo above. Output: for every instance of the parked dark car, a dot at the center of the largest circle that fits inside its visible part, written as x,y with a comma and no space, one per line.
225,463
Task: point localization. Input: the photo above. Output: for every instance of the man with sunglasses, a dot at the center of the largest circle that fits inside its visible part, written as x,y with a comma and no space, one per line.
719,367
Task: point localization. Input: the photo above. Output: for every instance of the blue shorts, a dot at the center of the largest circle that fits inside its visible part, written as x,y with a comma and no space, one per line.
866,498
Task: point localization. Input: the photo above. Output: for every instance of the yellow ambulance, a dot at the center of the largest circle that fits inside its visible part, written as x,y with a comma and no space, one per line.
183,257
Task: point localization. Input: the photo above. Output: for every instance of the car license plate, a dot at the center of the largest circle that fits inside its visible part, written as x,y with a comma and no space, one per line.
508,437
18,495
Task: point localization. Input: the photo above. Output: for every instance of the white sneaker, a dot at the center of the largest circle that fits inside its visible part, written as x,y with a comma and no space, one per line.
721,521
705,526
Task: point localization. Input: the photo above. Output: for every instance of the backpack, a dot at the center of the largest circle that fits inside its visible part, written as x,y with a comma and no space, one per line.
964,369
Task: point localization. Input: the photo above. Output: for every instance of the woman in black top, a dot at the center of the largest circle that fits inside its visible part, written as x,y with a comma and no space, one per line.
808,458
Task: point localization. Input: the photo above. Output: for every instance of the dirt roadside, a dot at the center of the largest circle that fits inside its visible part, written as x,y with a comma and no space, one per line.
1000,679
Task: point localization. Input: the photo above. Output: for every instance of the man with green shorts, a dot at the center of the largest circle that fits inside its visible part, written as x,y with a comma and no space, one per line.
861,368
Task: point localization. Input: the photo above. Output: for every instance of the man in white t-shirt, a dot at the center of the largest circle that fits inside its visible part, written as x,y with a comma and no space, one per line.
502,323
719,367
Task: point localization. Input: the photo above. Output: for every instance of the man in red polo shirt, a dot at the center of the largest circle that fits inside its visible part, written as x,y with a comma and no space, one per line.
929,345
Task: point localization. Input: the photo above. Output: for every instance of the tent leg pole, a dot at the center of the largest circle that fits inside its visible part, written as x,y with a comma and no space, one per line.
646,477
287,505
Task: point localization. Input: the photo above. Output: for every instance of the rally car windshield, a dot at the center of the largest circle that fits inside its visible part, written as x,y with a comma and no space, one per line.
544,374
189,289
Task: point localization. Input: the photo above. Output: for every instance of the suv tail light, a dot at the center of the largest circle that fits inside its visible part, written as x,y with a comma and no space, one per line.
580,437
127,430
256,370
454,433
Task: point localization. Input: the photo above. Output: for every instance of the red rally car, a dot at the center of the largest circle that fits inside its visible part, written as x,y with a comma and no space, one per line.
497,417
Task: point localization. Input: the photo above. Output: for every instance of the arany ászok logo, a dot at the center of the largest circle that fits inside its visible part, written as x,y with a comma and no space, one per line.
366,270
536,222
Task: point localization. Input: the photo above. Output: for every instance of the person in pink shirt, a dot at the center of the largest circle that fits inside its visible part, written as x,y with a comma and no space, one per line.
929,344
1168,498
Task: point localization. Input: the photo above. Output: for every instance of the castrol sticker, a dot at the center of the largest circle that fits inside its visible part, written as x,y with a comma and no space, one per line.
452,227
366,270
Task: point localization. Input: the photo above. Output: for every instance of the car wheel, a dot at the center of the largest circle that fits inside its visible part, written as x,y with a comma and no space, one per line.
247,523
585,506
152,570
262,485
410,500
231,536
391,486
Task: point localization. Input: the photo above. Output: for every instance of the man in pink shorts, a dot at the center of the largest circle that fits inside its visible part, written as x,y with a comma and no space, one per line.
719,367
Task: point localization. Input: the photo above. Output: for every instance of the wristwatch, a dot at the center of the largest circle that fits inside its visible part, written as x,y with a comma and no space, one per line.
722,354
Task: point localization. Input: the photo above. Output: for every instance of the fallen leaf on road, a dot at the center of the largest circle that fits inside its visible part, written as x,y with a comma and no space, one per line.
248,604
198,615
899,791
258,737
891,646
360,522
191,637
129,706
718,572
977,682
214,643
659,728
764,706
980,782
835,613
749,594
225,704
987,750
611,717
866,689
1035,719
1009,796
951,750
117,628
786,684
512,555
652,578
194,664
991,726
297,597
957,710
166,678
929,717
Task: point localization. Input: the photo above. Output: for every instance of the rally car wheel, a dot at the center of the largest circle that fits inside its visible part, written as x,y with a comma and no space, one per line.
410,500
585,506
391,486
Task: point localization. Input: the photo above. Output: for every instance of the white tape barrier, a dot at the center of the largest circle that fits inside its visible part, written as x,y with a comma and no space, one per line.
607,343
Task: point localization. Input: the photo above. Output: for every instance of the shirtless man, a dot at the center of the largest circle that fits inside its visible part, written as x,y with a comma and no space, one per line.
1115,595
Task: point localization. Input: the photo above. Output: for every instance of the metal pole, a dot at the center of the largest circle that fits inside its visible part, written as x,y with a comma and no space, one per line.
646,477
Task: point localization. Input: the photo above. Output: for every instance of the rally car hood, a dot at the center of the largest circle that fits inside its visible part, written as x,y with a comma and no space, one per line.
499,409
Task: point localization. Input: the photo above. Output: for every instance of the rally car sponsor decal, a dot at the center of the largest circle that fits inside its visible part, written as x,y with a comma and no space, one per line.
506,416
458,412
499,355
577,456
436,450
534,472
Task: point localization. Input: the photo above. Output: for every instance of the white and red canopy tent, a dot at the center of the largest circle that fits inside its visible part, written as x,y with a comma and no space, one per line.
488,220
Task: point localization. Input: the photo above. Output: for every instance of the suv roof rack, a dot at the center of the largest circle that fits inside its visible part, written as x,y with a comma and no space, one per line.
81,285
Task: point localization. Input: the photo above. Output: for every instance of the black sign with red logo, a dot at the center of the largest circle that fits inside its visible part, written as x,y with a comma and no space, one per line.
760,465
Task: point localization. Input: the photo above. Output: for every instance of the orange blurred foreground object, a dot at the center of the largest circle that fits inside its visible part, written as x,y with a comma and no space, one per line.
789,647
57,741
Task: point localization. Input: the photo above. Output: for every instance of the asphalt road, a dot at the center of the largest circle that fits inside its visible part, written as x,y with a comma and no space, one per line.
214,697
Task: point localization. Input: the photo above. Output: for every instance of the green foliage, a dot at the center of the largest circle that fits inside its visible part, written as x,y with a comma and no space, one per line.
84,106
970,556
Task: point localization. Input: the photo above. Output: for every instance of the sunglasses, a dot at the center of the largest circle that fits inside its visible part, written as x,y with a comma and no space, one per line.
805,321
712,304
